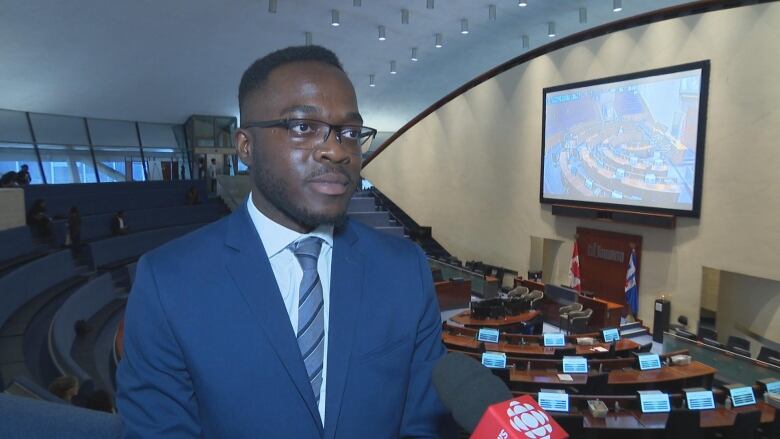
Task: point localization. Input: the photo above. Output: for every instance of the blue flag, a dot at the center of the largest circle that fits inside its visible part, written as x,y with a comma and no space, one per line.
632,289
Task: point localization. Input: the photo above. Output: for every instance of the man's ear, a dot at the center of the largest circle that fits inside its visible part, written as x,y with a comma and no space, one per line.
243,142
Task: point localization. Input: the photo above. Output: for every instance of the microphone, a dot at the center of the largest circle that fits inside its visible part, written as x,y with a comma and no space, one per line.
483,405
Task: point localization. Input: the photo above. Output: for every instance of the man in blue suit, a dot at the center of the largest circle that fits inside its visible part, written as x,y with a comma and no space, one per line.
286,319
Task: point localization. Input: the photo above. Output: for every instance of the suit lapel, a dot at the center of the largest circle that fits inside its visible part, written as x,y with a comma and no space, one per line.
251,270
346,290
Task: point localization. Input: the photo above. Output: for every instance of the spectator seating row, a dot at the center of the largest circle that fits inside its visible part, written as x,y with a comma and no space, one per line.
95,227
26,282
81,305
30,418
93,199
121,249
24,386
18,247
361,204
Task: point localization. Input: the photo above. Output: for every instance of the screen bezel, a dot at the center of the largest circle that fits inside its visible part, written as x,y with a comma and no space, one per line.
700,139
604,335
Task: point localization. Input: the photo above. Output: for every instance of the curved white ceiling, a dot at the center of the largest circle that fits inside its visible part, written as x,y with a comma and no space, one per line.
163,60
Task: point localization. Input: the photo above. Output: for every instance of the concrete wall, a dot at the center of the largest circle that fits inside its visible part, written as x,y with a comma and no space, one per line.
471,169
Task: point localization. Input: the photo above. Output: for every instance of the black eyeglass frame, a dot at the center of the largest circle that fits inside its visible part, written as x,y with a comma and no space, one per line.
287,123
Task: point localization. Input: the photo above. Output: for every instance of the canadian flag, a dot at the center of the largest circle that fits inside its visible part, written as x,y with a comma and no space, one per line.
574,270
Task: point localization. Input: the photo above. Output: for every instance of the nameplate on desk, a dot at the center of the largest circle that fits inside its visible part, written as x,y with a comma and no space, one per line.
773,386
575,365
488,335
653,401
699,399
610,335
649,361
554,339
553,401
494,360
742,396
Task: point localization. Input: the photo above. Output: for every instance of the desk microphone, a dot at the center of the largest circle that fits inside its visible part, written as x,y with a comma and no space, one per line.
482,404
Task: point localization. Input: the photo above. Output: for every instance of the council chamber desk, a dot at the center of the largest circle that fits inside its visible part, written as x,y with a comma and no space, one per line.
606,314
719,417
465,319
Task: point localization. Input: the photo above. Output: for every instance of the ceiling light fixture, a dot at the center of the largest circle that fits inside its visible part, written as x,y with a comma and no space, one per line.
429,4
551,29
382,35
334,18
371,81
392,68
357,3
526,42
464,26
522,3
308,38
617,5
404,16
272,6
414,57
583,15
439,41
492,12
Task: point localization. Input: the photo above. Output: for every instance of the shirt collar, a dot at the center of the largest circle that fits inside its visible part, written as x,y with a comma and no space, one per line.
276,237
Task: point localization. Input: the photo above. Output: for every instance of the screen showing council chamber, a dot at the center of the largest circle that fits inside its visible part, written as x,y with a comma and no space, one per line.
634,140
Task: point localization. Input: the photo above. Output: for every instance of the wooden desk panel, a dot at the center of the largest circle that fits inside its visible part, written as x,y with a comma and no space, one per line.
665,373
719,417
453,295
521,349
606,314
465,319
545,377
460,341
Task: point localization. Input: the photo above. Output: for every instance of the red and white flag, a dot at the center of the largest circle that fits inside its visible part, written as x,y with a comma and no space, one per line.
574,270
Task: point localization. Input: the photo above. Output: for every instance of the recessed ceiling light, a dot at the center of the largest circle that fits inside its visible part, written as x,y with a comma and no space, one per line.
522,3
429,4
404,16
617,5
526,41
464,26
334,18
551,29
414,55
371,81
583,15
357,3
492,12
439,41
272,6
392,68
308,38
382,35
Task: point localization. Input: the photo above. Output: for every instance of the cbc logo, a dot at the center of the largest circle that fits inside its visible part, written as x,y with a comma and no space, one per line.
526,419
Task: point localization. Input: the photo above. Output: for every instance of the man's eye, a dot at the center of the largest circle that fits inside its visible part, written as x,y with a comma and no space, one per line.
301,128
350,132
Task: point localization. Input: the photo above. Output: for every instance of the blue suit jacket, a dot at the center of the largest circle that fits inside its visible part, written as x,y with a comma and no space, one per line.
209,349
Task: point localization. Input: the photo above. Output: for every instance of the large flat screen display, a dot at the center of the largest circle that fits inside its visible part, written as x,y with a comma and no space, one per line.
632,142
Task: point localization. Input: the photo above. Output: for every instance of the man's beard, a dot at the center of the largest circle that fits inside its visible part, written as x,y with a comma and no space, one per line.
275,191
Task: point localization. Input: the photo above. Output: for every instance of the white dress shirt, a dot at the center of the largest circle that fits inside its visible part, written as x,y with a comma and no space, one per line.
276,240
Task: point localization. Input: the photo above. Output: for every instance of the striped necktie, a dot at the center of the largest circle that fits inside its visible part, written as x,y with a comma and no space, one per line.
311,318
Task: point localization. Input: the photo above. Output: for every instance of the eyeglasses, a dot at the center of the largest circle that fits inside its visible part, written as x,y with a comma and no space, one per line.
310,134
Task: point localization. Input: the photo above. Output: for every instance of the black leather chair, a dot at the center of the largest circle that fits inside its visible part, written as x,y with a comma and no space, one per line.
578,321
563,314
745,425
738,345
683,424
770,356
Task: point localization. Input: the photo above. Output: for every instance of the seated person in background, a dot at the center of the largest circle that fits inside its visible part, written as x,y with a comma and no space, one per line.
37,219
192,196
74,227
64,387
118,225
9,179
23,176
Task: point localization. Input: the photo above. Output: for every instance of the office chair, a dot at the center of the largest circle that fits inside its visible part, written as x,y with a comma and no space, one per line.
518,292
578,321
738,345
745,425
571,423
770,356
533,297
683,424
563,313
705,332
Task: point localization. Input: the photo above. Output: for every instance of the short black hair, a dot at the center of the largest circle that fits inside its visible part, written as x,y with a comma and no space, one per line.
255,76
